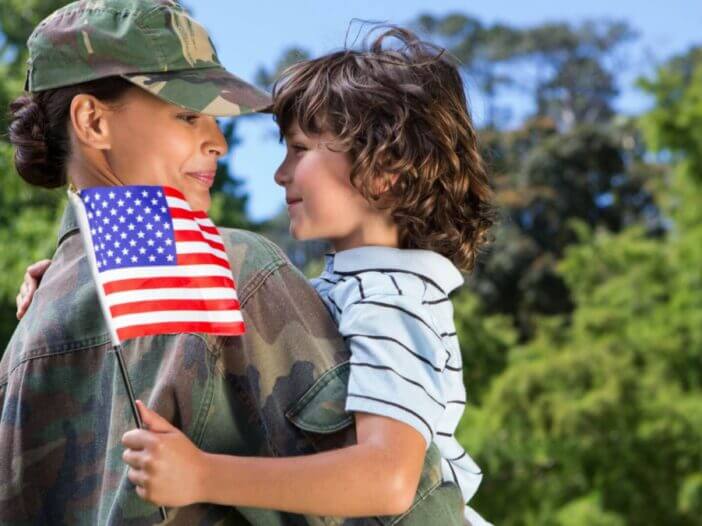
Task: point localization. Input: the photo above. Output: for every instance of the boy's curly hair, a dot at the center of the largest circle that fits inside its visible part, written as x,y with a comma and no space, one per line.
401,114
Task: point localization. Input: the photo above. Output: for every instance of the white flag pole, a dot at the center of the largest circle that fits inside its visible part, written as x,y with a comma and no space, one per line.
79,208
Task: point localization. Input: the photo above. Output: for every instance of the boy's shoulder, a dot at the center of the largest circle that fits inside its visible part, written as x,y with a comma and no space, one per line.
406,274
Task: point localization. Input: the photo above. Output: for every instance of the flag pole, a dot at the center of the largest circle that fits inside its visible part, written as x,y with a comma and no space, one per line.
79,209
132,402
128,385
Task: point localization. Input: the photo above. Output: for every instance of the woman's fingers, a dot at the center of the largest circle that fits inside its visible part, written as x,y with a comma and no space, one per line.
37,270
32,277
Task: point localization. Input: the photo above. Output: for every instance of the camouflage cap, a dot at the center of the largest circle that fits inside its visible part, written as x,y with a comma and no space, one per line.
155,44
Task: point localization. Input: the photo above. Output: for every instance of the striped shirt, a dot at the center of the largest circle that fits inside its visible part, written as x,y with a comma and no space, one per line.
393,310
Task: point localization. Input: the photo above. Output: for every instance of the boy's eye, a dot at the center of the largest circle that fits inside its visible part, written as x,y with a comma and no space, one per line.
298,147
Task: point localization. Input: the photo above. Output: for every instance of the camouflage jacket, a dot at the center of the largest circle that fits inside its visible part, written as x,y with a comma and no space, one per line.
279,390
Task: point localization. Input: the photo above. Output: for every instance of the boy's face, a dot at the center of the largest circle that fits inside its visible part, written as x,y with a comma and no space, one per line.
321,201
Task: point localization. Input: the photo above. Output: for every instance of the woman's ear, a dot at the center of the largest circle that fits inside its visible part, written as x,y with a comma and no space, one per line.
90,122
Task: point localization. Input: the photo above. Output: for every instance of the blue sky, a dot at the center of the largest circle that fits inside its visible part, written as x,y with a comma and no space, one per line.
253,33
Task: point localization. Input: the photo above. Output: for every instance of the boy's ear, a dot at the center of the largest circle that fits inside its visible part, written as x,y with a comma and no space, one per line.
383,182
90,123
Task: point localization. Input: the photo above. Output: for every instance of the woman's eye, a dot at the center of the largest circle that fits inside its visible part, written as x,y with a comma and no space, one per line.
188,117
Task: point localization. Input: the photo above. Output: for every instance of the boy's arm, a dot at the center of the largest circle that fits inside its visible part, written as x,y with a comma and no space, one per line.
377,476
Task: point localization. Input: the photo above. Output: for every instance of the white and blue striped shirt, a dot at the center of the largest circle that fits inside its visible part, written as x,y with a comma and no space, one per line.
393,310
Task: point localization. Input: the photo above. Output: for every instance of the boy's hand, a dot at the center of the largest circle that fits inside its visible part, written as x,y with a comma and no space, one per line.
165,465
32,278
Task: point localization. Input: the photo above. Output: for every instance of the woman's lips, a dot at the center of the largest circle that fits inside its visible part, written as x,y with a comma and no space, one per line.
206,178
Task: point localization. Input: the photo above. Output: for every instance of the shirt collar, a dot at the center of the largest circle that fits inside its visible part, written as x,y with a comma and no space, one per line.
426,263
69,223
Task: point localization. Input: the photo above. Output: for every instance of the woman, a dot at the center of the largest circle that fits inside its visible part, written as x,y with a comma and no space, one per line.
97,117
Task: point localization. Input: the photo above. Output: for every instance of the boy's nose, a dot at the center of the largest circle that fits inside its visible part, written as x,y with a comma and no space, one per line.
280,176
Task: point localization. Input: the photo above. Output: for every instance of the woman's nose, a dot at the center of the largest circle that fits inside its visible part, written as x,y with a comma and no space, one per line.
215,143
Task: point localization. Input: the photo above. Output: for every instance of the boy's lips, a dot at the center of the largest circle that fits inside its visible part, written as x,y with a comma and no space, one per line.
292,200
206,177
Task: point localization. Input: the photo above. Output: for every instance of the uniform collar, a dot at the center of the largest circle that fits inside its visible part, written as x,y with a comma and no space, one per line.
69,224
425,263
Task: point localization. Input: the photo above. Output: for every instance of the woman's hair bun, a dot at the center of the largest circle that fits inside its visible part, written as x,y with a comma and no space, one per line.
28,131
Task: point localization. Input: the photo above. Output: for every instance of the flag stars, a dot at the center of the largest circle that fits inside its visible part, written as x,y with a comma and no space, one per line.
120,203
131,226
112,195
159,234
169,257
140,234
152,258
140,218
130,210
147,210
134,259
137,202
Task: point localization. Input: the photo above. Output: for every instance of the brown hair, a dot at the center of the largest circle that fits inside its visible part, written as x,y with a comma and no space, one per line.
402,116
38,128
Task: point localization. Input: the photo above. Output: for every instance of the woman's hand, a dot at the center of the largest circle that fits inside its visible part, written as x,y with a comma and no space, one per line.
32,278
165,465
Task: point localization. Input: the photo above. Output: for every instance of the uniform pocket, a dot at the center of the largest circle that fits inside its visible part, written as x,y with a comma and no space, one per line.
320,413
321,416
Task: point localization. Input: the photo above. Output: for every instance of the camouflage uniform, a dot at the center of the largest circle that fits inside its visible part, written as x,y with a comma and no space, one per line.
279,390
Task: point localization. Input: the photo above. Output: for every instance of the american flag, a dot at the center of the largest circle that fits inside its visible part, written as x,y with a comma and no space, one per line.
160,266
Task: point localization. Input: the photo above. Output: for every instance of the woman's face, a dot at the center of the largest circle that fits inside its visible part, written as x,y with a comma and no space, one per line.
157,143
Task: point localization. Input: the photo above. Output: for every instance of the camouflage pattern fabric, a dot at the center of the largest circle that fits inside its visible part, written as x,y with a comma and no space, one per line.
279,390
153,43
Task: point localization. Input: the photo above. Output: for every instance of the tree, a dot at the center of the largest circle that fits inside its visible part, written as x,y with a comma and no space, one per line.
597,419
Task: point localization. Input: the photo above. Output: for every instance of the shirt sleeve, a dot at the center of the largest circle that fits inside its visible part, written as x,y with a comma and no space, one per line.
398,361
